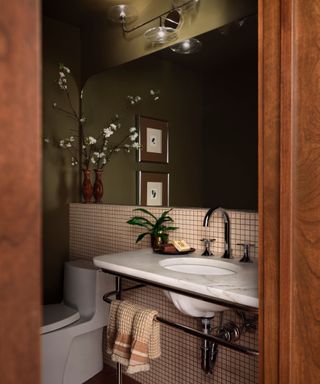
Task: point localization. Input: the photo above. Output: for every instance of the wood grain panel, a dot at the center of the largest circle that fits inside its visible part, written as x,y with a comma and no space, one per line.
305,239
20,191
285,320
289,191
269,189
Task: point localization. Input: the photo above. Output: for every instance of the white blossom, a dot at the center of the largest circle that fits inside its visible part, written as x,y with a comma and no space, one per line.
155,94
96,154
101,155
92,140
66,69
107,132
135,145
46,140
83,119
71,138
133,136
93,160
132,129
113,126
117,150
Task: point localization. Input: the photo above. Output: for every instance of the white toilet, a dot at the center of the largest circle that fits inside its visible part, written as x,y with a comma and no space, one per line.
71,334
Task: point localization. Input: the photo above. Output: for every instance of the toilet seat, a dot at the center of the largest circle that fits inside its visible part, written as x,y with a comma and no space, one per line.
56,316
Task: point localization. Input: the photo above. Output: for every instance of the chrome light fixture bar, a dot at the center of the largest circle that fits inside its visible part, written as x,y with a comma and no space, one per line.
169,21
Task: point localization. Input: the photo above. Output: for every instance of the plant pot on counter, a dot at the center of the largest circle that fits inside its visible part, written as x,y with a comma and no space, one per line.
158,241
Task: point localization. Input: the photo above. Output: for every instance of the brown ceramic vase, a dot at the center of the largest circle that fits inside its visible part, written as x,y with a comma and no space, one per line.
87,189
98,186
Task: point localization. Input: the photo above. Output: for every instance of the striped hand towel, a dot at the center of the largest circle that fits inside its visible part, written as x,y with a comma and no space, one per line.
112,326
124,321
145,328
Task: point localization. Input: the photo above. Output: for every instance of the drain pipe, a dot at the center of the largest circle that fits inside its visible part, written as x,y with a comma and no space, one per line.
230,332
209,349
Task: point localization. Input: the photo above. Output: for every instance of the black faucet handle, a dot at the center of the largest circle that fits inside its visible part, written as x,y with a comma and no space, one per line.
207,243
246,258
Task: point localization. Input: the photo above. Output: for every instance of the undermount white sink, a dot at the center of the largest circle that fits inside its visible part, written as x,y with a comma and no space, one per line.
197,266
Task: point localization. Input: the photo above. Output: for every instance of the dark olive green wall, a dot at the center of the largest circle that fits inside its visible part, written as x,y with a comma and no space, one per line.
231,147
61,43
213,128
105,94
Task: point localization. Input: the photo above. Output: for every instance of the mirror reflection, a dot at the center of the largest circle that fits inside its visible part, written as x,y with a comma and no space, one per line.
208,100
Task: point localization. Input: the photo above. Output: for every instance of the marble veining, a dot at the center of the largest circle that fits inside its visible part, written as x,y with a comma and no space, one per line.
241,287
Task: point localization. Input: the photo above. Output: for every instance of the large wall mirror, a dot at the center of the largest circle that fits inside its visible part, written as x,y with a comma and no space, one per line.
209,100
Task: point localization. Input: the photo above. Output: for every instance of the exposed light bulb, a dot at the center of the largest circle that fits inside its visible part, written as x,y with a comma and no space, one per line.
187,47
186,44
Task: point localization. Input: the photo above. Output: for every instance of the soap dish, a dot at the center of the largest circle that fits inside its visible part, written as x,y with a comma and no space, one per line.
163,252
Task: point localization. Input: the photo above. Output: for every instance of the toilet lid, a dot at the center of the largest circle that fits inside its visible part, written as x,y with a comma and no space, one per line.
56,316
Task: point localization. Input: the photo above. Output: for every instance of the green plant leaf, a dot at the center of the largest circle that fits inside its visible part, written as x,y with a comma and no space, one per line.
141,236
138,220
171,228
146,211
165,213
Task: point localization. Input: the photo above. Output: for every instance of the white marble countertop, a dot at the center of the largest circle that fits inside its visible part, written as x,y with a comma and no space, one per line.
241,287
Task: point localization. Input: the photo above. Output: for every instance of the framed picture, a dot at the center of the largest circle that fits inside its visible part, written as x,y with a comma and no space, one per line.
154,140
153,188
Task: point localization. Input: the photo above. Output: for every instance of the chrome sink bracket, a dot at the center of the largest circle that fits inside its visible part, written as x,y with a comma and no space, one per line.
118,297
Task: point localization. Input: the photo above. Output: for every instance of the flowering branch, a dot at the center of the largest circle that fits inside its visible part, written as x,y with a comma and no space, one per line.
97,151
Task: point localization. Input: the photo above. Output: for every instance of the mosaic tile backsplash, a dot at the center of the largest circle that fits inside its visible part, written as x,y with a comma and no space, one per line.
102,229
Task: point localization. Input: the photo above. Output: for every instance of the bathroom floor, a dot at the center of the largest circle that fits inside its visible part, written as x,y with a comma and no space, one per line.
108,375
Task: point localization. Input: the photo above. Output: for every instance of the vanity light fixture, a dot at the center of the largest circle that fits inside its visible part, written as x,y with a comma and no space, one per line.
169,21
123,13
187,47
187,7
160,35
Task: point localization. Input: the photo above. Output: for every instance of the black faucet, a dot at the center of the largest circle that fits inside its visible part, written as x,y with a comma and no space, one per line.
226,254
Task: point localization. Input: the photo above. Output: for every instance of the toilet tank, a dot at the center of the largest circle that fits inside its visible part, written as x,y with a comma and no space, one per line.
79,287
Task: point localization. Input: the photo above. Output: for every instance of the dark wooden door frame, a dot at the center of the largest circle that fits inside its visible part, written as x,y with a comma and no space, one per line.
20,163
289,191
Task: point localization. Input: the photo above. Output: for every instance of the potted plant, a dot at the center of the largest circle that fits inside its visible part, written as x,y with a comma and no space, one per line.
156,227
